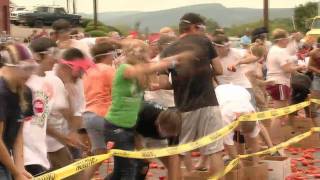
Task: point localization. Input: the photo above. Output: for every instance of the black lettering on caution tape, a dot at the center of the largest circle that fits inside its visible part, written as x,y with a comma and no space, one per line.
85,164
49,176
274,113
261,115
147,154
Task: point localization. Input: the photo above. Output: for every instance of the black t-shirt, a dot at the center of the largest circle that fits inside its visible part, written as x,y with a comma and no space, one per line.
11,114
192,82
146,120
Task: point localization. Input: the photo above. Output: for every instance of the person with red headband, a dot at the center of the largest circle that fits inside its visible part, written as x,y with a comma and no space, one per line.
63,124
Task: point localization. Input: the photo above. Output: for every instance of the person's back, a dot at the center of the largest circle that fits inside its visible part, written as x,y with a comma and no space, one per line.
97,87
192,83
235,77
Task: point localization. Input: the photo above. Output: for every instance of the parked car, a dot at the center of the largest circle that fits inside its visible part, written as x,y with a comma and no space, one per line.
16,12
46,15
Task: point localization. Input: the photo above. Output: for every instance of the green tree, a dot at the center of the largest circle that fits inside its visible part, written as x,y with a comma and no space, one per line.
238,30
124,29
304,12
211,25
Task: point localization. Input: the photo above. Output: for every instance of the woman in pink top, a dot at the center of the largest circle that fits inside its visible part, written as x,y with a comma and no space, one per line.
97,88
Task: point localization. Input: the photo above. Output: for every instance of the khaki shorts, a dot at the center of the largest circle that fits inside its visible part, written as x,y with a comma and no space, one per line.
60,159
199,123
152,143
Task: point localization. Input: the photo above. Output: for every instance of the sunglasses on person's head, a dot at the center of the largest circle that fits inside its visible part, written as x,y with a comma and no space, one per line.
279,39
50,51
62,31
54,52
226,44
74,36
185,21
28,65
115,54
201,27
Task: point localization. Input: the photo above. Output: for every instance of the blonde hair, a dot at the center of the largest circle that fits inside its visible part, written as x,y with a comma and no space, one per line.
21,90
257,50
137,52
279,34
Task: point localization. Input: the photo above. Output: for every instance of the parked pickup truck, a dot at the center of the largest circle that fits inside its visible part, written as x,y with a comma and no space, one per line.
315,27
46,15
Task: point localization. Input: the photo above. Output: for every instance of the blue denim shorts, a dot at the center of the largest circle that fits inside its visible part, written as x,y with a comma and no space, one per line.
4,173
94,125
315,83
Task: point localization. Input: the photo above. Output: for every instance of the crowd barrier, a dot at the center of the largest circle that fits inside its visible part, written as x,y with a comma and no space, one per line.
156,153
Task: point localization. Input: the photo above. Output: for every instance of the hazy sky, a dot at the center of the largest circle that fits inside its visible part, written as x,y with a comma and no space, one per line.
152,5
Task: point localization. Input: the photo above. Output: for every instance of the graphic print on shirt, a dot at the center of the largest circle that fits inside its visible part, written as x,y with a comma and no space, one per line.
41,105
40,108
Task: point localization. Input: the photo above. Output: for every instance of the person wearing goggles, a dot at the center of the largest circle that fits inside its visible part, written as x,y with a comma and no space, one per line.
65,116
194,93
35,130
97,90
15,107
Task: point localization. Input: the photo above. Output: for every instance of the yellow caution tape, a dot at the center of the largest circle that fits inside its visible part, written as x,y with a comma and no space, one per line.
282,145
274,112
156,153
74,167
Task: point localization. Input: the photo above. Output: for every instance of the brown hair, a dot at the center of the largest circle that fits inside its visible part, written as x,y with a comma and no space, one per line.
61,25
220,39
170,121
189,19
105,46
165,41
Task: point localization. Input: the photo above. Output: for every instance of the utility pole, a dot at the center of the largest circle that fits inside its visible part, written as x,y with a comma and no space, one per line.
74,2
266,14
95,13
68,7
319,8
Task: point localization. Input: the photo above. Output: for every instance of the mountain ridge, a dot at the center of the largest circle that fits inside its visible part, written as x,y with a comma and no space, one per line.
225,17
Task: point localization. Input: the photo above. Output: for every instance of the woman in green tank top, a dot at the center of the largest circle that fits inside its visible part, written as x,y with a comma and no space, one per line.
130,80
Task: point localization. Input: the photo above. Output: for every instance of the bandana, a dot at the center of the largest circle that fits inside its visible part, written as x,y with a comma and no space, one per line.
78,64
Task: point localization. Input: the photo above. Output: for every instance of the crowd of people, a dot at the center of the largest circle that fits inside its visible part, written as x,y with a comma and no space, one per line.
64,96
